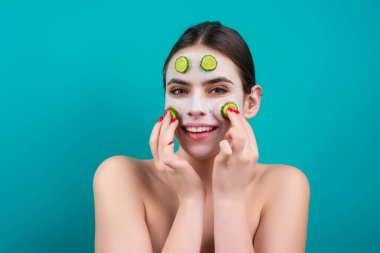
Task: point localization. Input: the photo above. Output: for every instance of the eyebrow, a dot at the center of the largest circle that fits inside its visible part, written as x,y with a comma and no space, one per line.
207,82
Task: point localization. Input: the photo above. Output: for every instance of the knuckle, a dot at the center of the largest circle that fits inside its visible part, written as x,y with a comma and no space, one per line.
152,140
153,148
240,137
165,161
256,155
233,130
237,136
227,154
245,159
160,166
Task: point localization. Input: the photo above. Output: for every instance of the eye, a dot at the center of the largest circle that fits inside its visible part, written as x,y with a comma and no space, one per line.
220,89
217,90
173,91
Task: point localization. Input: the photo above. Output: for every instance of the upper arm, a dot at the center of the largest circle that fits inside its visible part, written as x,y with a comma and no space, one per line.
283,225
119,210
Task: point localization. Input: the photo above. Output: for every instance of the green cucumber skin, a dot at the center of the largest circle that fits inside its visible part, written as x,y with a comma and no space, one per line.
187,64
206,69
173,112
226,106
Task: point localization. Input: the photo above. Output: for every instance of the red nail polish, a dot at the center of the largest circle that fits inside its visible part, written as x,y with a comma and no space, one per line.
170,143
236,111
165,112
173,120
230,109
160,119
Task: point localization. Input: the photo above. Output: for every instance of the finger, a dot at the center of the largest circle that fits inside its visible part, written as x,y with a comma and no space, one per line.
236,138
173,162
166,120
170,130
225,151
153,140
249,132
164,139
235,121
168,149
164,126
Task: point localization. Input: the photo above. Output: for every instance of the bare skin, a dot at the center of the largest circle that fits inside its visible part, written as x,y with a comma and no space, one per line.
276,198
161,205
277,203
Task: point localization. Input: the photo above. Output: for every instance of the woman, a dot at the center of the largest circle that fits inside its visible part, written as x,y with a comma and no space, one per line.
212,195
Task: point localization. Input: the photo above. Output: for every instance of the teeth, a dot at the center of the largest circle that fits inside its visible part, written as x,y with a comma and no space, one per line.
199,129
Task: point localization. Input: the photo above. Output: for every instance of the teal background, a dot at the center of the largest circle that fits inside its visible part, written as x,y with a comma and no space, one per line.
70,71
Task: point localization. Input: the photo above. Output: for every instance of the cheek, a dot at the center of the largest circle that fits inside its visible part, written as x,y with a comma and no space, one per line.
213,107
178,105
217,107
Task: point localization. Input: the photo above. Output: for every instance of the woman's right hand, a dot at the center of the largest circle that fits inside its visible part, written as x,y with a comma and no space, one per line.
176,172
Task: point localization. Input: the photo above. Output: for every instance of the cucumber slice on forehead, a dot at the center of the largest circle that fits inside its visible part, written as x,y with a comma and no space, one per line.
208,63
181,64
173,112
224,108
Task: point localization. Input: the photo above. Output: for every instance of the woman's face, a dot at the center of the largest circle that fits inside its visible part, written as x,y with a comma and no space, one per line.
198,99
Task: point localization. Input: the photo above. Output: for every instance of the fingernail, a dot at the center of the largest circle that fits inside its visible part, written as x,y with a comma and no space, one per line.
173,120
230,109
160,119
170,143
165,112
236,111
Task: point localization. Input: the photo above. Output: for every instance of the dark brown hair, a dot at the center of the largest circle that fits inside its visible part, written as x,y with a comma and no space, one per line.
224,40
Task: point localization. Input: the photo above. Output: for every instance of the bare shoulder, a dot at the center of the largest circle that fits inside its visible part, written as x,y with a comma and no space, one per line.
282,174
120,165
120,169
283,224
278,178
119,208
284,169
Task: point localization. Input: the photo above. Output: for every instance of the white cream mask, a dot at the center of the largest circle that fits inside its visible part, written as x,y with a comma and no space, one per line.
197,103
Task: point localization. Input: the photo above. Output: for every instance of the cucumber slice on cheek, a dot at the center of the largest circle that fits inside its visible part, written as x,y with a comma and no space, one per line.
173,113
224,108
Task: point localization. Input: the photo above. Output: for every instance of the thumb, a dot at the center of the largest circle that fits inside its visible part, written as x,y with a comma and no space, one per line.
225,151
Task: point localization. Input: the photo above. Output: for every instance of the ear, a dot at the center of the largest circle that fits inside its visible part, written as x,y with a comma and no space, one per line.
252,101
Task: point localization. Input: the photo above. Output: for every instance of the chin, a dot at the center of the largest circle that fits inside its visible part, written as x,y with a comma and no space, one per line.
199,152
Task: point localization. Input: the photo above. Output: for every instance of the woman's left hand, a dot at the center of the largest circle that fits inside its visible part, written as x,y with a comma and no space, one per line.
235,165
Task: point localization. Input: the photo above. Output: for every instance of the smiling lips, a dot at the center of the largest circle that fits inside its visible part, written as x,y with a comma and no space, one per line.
200,132
198,127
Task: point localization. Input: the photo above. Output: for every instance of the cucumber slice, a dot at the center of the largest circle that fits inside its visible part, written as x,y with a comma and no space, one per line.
208,63
173,112
224,108
181,64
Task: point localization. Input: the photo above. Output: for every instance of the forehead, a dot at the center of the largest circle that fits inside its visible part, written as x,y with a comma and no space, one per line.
225,67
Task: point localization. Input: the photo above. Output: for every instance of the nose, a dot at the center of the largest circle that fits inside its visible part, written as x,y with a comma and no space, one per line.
196,108
196,113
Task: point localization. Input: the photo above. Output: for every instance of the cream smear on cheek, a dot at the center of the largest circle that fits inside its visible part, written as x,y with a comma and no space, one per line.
198,106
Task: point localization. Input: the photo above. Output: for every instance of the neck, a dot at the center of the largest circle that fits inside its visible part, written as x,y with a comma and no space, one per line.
202,167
